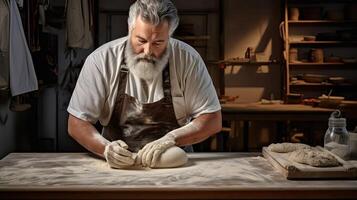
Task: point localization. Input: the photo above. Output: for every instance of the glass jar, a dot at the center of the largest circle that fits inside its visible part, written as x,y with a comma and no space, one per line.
337,139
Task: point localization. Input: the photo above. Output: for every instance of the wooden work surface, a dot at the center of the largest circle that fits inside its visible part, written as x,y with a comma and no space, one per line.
258,111
205,176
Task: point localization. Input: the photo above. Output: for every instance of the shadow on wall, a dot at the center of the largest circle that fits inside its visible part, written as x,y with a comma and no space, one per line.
256,25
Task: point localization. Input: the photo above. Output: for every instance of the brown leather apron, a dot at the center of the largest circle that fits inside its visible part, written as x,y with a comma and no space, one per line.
139,123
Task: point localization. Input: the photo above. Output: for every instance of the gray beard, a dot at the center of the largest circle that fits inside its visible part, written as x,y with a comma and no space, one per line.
143,66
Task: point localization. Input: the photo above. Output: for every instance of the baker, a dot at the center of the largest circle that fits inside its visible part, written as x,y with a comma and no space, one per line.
149,91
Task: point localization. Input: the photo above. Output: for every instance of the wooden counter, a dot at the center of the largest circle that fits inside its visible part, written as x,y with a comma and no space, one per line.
206,176
274,112
279,114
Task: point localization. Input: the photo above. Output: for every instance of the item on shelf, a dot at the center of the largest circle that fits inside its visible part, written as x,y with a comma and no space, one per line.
336,79
309,38
350,11
296,38
250,54
314,78
311,13
294,14
293,55
311,102
293,98
330,101
349,60
333,59
317,55
335,15
328,36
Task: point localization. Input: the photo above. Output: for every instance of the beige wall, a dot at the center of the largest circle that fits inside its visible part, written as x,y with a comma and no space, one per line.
254,24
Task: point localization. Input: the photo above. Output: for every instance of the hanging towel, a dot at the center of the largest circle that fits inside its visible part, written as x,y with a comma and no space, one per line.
79,24
4,26
22,73
4,44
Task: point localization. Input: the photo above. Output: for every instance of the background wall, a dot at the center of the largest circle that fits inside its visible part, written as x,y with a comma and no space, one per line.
253,23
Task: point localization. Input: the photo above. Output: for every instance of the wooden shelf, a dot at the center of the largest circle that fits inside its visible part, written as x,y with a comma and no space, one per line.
324,43
321,85
239,62
306,64
320,1
322,22
293,32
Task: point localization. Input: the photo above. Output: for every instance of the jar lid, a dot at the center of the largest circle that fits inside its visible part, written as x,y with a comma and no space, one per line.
336,119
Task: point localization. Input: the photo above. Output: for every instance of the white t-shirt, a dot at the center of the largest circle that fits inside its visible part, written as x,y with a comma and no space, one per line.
96,90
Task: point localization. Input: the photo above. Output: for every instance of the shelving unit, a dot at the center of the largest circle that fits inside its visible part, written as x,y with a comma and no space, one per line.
233,62
342,46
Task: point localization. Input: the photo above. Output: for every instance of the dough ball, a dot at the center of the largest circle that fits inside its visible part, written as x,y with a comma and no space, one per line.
314,158
172,157
287,147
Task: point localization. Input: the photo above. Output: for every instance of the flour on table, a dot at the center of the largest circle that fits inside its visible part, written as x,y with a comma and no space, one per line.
287,147
314,157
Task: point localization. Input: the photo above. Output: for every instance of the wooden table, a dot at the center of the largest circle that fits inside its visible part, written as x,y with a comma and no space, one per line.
274,112
205,176
277,113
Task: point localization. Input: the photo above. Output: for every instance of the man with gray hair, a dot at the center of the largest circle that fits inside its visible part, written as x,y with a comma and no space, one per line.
151,93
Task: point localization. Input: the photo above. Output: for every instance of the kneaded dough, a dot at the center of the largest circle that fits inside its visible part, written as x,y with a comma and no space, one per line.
172,157
314,157
286,147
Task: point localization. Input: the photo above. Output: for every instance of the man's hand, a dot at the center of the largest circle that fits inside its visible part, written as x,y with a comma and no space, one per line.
117,155
151,152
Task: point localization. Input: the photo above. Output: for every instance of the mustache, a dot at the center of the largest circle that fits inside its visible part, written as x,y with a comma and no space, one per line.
145,58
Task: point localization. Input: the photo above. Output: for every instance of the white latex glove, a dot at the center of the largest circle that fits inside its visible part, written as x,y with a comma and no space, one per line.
117,155
151,152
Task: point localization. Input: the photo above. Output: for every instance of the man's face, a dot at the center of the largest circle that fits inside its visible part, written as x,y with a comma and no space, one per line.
149,39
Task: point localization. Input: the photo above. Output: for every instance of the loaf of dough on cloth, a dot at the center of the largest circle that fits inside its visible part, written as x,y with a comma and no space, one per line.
287,147
314,157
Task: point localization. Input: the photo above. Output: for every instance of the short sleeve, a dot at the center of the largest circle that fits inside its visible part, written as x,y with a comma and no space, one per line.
200,94
90,93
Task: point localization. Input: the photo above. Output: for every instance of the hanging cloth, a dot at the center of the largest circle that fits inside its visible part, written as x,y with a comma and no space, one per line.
22,73
4,26
4,44
79,23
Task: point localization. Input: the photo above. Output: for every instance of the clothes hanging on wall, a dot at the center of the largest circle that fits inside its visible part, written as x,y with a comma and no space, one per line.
31,25
22,73
4,25
4,44
79,14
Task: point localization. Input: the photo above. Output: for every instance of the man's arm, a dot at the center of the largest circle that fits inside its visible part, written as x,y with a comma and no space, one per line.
86,135
199,129
115,153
